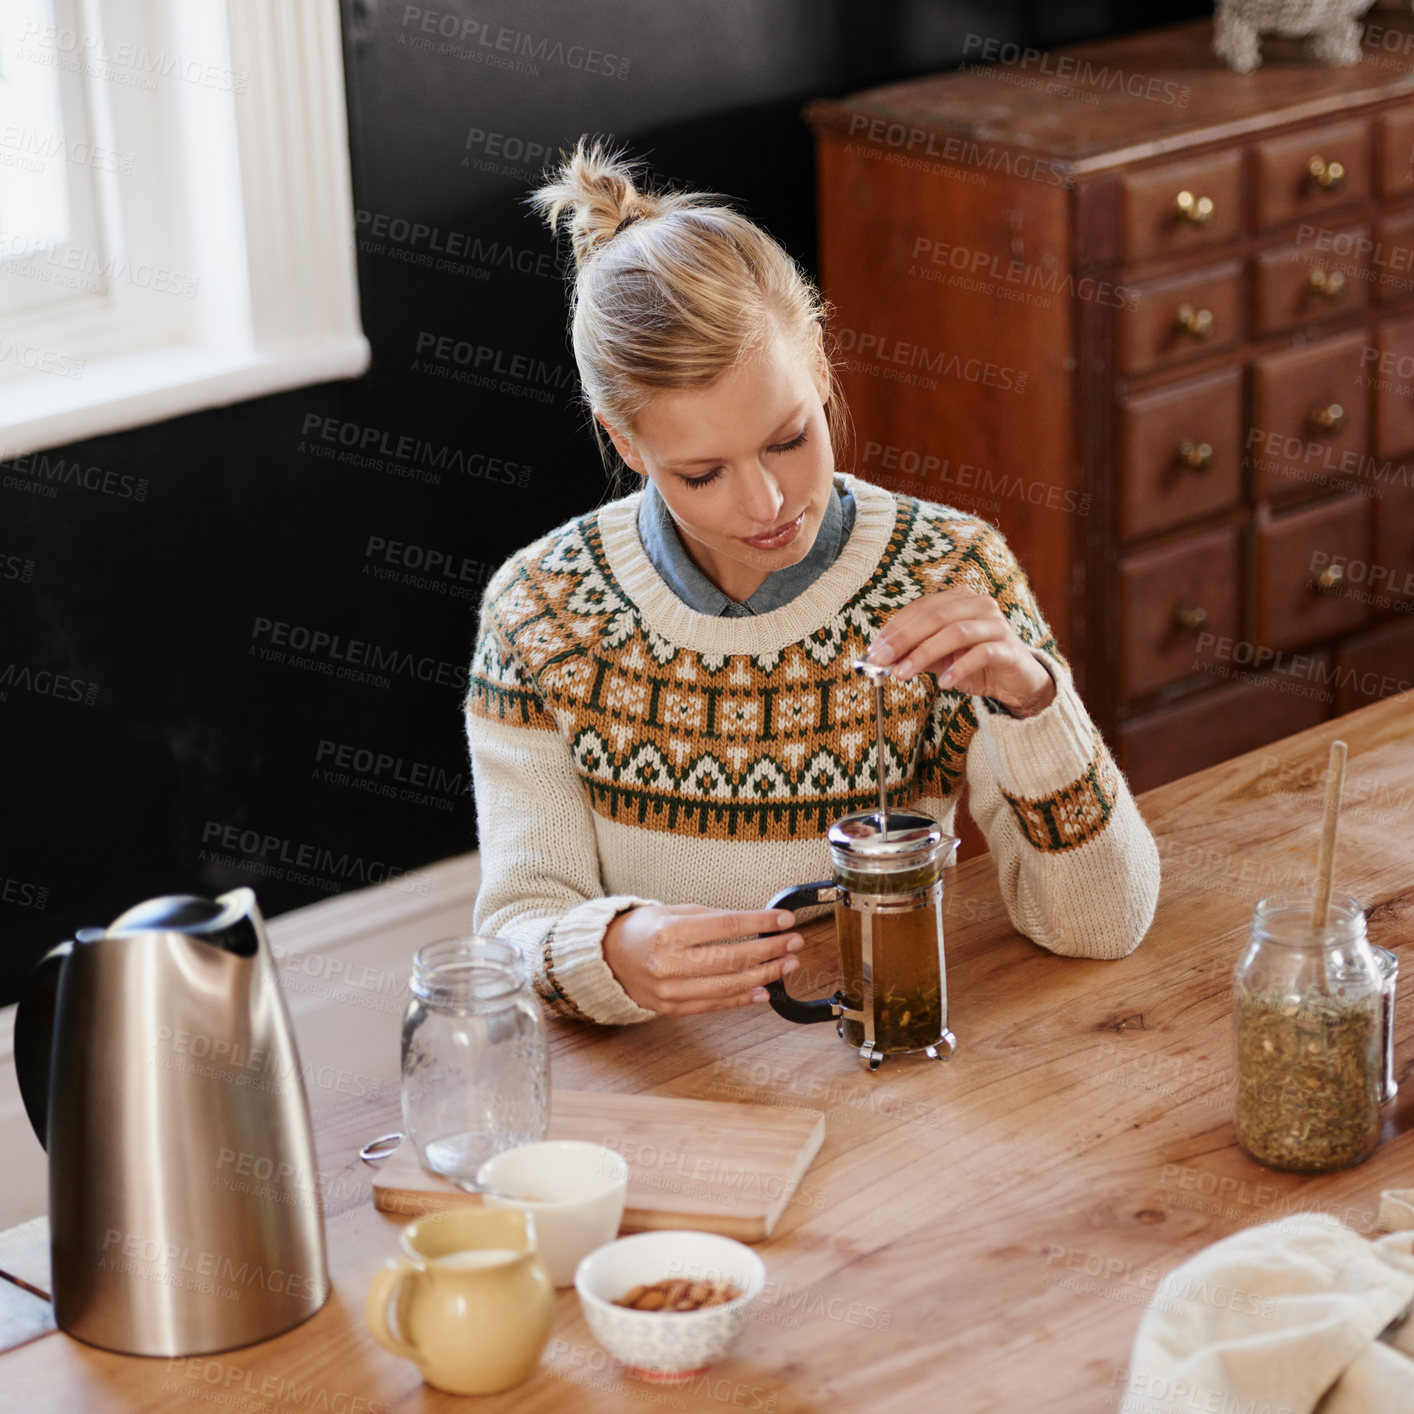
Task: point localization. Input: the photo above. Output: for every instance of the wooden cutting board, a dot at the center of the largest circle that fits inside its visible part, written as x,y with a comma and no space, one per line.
704,1164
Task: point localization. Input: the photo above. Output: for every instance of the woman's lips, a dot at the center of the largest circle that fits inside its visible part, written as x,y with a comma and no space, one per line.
776,539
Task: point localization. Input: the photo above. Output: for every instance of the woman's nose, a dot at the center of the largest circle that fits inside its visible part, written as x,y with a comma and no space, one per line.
762,498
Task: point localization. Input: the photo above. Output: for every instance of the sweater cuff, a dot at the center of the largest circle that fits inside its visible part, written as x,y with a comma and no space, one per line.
1040,754
575,972
1053,769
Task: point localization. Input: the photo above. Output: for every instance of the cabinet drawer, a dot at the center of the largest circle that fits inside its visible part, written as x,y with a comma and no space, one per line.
1181,317
1392,260
1309,417
1392,378
1374,666
1215,726
1299,598
1393,569
1174,603
1312,173
1180,452
1182,205
1315,277
1397,153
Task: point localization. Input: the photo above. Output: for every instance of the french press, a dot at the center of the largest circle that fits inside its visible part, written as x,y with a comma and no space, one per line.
887,889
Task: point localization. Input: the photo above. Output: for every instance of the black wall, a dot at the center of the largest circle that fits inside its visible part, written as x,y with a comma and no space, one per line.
150,568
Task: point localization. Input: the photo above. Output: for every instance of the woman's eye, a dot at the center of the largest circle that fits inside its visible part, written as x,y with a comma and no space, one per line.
711,476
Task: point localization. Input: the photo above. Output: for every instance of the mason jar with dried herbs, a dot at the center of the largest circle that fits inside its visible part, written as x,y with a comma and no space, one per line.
1310,1055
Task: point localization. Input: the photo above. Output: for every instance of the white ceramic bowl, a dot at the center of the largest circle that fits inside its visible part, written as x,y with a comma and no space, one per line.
667,1347
576,1195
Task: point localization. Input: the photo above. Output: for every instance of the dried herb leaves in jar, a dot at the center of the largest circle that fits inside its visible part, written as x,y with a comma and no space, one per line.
1309,1073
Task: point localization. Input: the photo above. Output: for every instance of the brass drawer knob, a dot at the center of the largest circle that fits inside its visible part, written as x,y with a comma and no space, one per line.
1191,617
1327,176
1329,581
1197,456
1198,322
1328,419
1196,209
1328,283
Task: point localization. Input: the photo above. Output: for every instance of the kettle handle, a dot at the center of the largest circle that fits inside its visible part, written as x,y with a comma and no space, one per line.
34,1036
782,1003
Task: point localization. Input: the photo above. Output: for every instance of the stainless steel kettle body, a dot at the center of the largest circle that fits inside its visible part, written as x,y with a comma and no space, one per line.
158,1065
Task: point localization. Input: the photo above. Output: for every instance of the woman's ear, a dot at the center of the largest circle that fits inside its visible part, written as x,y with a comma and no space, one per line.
622,445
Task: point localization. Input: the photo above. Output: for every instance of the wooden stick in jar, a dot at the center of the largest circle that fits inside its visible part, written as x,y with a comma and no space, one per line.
1325,860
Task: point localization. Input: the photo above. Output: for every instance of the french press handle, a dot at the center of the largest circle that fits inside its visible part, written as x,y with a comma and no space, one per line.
782,1003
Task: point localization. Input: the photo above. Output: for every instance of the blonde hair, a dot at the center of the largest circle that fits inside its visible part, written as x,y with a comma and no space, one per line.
671,289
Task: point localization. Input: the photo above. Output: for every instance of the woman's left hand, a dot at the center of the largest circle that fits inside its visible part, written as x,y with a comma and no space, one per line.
967,641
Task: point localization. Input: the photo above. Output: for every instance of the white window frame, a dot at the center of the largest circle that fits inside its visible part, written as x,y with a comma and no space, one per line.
241,196
18,246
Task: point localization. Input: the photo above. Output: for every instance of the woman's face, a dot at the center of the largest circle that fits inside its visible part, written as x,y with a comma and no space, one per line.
744,465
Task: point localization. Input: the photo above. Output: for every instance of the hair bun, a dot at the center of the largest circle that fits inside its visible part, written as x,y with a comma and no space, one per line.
595,184
679,302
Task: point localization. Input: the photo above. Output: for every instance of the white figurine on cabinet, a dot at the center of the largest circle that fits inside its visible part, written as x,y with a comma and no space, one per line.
1239,24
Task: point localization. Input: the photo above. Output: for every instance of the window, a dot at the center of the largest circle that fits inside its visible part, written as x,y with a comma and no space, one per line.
48,195
176,223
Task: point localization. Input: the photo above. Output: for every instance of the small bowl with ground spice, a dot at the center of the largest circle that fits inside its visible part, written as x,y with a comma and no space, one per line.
669,1304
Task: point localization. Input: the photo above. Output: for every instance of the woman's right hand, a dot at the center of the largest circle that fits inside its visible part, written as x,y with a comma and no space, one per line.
673,958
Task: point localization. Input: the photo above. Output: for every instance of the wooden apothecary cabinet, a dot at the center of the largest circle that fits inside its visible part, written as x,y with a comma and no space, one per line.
1156,320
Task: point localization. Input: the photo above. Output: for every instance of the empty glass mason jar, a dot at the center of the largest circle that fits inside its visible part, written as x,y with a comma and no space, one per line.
476,1072
1307,1007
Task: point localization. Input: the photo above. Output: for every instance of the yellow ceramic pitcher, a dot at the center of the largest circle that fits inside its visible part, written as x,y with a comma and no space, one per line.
473,1299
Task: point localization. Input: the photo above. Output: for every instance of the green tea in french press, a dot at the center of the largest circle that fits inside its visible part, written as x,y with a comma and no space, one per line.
887,889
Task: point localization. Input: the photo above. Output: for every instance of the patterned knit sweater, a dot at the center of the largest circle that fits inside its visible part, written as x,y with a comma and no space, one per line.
627,749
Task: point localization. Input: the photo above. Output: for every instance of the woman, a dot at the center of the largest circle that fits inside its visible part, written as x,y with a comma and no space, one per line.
663,718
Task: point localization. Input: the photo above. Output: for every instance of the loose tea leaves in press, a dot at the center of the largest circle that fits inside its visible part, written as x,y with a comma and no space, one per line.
1308,1078
904,1020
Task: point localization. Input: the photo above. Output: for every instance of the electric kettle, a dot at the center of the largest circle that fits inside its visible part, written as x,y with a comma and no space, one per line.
158,1067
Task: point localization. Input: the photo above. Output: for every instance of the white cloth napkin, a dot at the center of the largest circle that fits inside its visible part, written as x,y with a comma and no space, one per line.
1283,1319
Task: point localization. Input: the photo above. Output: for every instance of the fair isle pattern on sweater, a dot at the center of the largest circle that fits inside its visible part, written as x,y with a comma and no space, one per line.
771,746
1067,817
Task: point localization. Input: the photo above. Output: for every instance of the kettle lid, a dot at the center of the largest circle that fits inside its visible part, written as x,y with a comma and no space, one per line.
225,921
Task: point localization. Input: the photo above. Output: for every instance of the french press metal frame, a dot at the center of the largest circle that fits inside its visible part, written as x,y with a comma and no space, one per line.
833,1008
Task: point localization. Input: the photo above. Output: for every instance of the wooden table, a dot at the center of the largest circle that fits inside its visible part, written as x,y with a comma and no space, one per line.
980,1235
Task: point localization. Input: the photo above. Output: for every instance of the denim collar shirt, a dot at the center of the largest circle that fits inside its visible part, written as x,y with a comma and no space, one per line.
664,547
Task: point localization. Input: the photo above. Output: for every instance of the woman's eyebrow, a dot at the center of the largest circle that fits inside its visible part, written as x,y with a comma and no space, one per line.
702,461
